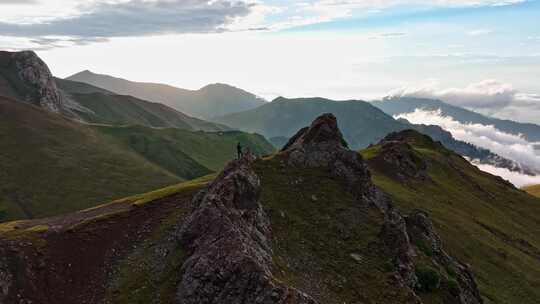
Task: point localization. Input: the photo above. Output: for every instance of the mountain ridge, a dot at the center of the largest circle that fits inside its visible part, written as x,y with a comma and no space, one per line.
209,101
361,122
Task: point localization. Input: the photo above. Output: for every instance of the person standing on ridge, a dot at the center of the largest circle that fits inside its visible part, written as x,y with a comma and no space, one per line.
239,152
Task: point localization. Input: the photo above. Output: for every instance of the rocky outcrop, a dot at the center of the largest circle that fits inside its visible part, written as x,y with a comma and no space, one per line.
35,83
422,233
228,243
6,277
322,145
399,158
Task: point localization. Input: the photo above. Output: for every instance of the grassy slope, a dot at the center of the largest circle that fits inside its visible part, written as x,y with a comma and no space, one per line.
210,150
127,110
533,190
51,165
482,220
74,87
317,228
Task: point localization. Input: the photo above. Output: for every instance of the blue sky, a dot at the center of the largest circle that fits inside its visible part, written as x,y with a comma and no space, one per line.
482,51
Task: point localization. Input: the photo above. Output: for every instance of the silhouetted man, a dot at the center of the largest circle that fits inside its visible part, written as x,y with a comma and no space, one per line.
239,150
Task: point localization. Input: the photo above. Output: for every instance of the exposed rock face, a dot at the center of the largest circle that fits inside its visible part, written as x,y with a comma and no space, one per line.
41,88
395,236
6,278
400,159
322,145
421,231
228,239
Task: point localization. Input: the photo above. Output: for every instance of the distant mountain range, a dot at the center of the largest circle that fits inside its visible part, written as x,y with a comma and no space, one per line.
362,124
400,105
209,101
100,106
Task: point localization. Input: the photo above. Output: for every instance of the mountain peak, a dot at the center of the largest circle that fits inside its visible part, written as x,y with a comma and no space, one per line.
323,131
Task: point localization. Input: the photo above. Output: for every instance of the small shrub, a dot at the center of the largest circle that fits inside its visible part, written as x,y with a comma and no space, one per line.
451,271
428,279
453,286
425,248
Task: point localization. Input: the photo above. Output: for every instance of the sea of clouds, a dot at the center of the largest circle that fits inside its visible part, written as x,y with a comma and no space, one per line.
511,146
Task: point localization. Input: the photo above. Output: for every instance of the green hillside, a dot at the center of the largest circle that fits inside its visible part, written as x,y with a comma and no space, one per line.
483,220
170,147
534,190
74,87
51,165
128,110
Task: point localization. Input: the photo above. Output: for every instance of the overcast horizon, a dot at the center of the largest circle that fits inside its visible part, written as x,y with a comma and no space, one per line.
483,55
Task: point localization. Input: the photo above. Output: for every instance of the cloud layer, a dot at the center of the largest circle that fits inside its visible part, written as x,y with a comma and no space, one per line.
484,94
516,178
510,146
101,20
490,97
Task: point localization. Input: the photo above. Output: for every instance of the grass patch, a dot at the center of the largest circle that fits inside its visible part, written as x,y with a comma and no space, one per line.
429,279
151,272
533,190
325,242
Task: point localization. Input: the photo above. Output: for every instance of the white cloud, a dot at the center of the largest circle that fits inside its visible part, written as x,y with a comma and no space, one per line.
484,94
479,32
516,178
513,147
98,20
489,97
